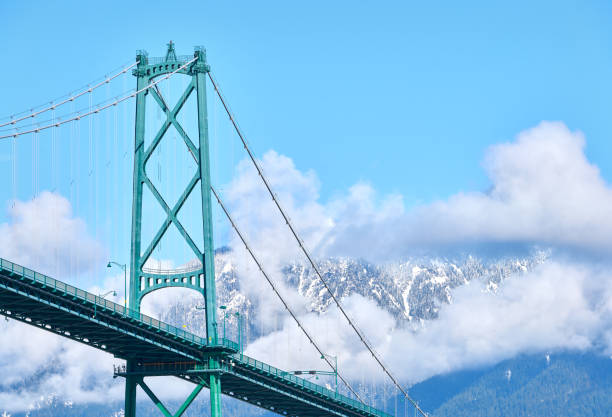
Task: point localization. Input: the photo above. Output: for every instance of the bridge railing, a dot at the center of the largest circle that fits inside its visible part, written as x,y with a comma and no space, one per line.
289,377
162,60
48,282
56,285
159,271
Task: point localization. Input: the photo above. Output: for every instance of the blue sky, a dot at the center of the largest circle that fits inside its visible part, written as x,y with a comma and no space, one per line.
406,96
373,120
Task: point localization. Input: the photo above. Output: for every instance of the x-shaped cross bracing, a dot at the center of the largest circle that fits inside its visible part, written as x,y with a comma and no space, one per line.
171,213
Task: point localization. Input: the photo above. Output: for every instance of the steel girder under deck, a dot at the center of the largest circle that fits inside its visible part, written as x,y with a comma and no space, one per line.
54,306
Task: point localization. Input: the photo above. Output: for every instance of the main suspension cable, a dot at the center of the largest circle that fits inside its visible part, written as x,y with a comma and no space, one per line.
307,253
69,99
280,297
98,109
64,115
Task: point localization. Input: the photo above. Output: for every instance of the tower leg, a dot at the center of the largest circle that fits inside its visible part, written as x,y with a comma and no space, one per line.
130,393
215,396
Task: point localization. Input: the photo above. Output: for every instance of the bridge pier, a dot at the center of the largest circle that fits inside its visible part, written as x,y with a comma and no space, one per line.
135,372
215,390
130,390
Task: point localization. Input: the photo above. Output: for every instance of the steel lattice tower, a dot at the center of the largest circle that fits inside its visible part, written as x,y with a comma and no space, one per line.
144,281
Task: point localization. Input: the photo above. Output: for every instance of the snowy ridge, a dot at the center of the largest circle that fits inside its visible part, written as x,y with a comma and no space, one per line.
411,290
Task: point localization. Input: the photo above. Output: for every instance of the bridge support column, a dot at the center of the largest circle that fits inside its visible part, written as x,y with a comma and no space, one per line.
208,259
130,392
132,381
215,391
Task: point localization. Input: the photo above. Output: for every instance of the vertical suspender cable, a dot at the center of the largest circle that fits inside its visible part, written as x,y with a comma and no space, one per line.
34,165
100,107
70,183
54,208
14,171
70,99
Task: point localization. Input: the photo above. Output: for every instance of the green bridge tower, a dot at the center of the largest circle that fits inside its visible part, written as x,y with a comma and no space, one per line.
202,278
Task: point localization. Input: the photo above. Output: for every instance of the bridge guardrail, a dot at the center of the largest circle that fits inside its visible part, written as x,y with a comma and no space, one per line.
288,376
190,337
162,60
110,305
159,271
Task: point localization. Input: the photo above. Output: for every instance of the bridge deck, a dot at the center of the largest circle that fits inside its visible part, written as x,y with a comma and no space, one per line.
52,305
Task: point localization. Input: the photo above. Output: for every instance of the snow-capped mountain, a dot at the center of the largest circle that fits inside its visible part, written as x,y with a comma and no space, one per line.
411,290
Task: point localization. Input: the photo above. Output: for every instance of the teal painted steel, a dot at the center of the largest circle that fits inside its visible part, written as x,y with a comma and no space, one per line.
70,305
189,400
130,392
143,281
52,305
154,398
138,181
208,261
151,347
152,281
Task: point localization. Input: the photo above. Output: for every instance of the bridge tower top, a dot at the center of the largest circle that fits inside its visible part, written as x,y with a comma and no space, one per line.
200,277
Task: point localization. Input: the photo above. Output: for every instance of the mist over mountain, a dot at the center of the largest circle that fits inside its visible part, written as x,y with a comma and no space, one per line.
411,291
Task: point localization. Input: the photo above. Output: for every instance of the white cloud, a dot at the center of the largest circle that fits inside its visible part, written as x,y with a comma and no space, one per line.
543,191
554,307
37,364
557,306
252,207
44,235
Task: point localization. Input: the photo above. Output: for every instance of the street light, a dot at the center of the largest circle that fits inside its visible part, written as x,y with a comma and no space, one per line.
237,314
124,267
108,293
224,308
224,316
312,372
113,292
335,358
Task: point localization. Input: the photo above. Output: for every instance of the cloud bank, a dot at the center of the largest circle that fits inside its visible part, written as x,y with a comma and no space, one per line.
558,306
43,234
543,191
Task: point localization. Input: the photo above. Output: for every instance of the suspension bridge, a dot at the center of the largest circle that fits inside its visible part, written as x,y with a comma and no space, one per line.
149,346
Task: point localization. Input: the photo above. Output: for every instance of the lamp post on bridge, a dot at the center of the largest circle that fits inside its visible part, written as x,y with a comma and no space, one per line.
225,316
237,314
224,311
124,267
314,372
223,308
335,358
113,292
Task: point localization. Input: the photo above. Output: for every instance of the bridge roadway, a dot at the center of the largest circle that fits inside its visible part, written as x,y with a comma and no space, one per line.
161,349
